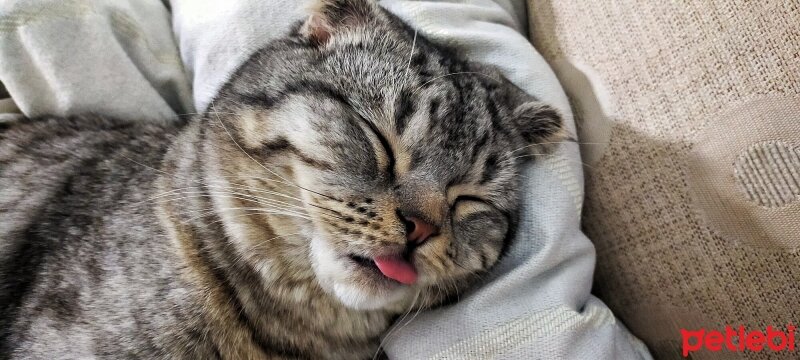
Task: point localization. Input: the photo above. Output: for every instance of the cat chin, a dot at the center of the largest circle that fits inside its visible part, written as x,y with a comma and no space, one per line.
354,297
335,273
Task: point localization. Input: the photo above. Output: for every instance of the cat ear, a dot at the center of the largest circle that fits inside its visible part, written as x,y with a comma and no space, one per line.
539,124
331,17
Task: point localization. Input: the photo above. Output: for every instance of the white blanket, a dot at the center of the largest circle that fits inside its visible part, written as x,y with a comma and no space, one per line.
118,57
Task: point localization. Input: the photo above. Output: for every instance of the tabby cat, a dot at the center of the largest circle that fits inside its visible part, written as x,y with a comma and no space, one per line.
347,173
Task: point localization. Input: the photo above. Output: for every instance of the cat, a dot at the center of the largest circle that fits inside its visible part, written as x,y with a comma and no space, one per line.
347,173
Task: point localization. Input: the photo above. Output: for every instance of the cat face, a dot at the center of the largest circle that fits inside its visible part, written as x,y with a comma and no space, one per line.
404,157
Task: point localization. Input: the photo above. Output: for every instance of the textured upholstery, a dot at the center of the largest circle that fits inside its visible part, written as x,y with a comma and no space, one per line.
690,117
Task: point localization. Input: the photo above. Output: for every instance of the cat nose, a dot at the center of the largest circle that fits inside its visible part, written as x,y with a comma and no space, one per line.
417,230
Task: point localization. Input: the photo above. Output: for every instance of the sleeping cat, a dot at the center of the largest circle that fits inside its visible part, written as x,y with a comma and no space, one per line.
346,174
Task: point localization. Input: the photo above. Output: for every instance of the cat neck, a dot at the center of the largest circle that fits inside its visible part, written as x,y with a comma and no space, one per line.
252,267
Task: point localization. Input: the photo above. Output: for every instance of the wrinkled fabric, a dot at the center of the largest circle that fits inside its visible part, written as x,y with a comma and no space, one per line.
535,304
112,57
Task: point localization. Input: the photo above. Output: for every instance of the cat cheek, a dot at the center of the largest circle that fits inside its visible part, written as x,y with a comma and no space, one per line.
481,237
433,263
324,260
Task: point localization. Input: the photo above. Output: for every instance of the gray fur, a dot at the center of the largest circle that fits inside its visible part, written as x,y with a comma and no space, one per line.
202,240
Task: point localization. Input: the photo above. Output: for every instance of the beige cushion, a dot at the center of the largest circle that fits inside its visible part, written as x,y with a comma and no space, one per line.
690,112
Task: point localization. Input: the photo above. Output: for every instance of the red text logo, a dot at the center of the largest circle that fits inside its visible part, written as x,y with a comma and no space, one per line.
738,339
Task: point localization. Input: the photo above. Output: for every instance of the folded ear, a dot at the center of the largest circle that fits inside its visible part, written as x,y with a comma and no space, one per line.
330,18
540,125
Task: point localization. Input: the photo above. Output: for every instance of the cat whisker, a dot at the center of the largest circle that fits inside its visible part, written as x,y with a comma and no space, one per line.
249,188
276,210
419,309
204,213
397,323
268,211
236,195
234,185
259,206
269,192
332,212
263,210
479,275
272,191
244,197
265,199
455,288
530,155
551,155
198,113
192,180
258,246
276,204
240,148
451,74
256,161
241,257
556,142
411,55
208,212
282,179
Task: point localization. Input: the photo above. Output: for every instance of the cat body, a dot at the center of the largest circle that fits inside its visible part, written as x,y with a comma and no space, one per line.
347,174
96,268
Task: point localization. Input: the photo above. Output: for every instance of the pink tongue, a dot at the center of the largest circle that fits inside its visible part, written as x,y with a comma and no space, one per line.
397,268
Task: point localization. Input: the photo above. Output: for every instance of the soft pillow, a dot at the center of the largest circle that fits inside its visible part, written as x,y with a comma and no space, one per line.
690,116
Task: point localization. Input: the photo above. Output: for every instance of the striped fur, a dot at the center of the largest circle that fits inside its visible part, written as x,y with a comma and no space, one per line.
237,234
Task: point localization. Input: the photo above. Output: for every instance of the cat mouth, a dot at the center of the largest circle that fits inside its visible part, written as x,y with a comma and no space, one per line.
364,262
396,268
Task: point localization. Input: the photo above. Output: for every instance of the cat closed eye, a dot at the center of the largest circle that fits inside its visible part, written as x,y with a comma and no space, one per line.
462,198
465,206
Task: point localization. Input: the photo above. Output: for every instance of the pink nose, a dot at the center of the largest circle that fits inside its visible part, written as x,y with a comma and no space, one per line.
418,231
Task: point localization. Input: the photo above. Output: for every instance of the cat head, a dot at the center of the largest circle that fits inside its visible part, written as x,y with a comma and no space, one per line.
394,159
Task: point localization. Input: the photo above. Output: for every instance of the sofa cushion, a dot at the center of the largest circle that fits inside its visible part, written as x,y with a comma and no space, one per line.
690,117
